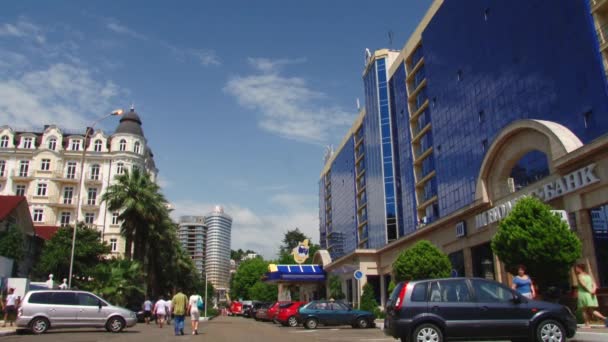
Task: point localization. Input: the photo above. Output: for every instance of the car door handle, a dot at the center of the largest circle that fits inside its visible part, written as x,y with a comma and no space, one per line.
484,308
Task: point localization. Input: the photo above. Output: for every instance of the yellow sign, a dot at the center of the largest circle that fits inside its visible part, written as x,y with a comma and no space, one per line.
300,252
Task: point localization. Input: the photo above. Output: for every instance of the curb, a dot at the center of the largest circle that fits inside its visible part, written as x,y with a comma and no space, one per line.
8,333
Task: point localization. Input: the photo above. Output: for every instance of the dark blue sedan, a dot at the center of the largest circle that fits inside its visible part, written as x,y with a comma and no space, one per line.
333,313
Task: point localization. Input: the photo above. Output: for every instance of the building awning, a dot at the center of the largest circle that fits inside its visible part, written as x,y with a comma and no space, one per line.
294,273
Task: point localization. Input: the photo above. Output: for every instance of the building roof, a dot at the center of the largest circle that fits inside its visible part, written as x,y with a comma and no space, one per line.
130,123
295,273
8,204
46,232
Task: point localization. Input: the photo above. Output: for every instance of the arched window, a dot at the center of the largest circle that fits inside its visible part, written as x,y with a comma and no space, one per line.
136,147
123,145
4,141
120,168
94,172
97,146
530,168
52,144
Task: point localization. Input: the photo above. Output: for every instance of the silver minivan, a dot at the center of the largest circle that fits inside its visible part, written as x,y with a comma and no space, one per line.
49,309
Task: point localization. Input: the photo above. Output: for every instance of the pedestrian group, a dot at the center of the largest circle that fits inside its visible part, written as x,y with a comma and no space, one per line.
177,308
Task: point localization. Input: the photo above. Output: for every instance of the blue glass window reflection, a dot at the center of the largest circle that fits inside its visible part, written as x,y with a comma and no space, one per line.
532,167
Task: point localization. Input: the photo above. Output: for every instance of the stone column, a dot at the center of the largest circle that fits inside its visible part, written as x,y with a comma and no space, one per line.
382,291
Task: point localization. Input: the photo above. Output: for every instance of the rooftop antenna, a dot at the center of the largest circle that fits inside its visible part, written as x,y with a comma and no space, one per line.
391,34
358,105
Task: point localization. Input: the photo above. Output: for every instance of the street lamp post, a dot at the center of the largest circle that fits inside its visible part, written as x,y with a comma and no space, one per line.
81,185
206,303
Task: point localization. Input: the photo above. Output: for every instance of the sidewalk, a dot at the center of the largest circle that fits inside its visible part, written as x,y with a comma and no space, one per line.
595,328
8,331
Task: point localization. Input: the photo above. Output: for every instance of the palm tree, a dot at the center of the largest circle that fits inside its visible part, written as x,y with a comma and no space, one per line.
119,281
141,205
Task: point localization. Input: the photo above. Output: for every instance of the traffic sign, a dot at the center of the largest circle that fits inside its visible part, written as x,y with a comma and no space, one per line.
358,275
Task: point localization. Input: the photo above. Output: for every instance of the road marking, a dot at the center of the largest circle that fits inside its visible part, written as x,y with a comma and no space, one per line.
301,331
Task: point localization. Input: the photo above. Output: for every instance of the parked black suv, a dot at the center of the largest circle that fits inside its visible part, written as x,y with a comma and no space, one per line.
472,308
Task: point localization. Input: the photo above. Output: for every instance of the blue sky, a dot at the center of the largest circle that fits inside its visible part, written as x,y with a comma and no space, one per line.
237,100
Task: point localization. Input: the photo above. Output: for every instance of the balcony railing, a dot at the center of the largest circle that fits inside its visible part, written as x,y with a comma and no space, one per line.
20,174
93,177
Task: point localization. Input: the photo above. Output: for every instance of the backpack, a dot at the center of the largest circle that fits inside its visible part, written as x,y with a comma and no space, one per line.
200,305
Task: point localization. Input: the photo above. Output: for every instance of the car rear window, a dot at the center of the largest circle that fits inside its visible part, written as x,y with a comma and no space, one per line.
419,292
40,298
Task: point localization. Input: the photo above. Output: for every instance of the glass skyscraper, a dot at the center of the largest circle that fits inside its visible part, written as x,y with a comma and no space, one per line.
433,109
217,257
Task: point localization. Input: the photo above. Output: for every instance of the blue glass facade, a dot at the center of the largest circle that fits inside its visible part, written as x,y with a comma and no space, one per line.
406,192
426,130
373,162
343,211
485,70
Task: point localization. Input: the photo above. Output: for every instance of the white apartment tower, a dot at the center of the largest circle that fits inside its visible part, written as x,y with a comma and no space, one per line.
217,257
45,168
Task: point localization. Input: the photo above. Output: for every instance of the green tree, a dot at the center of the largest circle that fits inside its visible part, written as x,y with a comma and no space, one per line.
368,299
247,275
291,239
335,287
391,286
11,243
535,237
263,292
88,253
118,281
421,261
141,207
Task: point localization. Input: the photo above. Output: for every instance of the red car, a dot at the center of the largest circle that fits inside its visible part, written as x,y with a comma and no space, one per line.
236,308
273,310
287,314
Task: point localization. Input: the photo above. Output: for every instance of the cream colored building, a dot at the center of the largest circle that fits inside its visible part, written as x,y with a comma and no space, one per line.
45,168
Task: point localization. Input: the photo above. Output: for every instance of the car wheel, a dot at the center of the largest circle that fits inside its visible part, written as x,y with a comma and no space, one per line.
311,323
39,325
362,323
550,331
427,333
115,324
292,322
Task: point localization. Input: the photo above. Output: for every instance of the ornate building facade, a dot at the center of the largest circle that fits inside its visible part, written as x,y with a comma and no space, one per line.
45,167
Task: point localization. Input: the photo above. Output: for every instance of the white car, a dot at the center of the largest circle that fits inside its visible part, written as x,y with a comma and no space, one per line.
50,309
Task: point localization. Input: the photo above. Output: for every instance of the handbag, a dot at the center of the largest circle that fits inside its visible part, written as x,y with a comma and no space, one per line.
200,305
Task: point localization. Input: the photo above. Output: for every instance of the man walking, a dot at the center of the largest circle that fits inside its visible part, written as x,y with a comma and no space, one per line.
147,306
180,302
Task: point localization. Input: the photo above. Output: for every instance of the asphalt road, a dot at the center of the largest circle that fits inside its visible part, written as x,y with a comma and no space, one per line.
230,329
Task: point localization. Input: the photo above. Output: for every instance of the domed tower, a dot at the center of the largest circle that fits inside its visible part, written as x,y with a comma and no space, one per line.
130,143
130,123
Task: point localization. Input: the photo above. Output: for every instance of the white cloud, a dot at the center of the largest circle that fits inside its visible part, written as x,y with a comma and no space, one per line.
23,29
124,30
288,106
205,57
61,94
262,233
273,65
